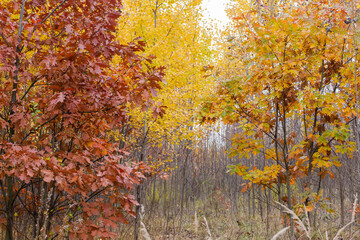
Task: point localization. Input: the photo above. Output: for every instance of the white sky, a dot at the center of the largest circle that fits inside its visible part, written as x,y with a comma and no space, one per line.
215,9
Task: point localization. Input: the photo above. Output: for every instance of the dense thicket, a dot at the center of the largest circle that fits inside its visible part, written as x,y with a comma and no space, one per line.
117,112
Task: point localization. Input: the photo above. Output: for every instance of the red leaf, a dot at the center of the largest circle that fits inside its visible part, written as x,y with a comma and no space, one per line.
48,175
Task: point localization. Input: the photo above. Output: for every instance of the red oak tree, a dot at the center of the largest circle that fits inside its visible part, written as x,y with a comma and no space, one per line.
60,95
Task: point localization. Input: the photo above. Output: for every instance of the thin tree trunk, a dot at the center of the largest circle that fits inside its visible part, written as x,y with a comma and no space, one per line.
183,186
342,208
138,187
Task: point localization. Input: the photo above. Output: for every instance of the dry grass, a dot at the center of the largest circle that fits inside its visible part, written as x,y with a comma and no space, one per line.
222,224
207,224
304,225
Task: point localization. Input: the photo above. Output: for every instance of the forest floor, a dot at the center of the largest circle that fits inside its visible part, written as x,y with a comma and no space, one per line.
223,224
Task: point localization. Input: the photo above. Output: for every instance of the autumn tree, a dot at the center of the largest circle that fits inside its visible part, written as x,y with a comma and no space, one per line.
175,33
290,87
61,94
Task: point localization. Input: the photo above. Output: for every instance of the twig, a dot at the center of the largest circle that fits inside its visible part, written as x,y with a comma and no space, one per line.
53,11
297,220
281,232
196,222
208,229
352,219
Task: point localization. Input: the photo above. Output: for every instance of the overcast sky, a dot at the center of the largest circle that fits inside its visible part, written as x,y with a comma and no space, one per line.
215,9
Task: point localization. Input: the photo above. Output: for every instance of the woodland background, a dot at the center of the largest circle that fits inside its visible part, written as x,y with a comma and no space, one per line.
137,119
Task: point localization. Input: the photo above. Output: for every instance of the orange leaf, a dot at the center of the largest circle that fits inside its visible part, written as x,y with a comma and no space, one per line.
309,208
